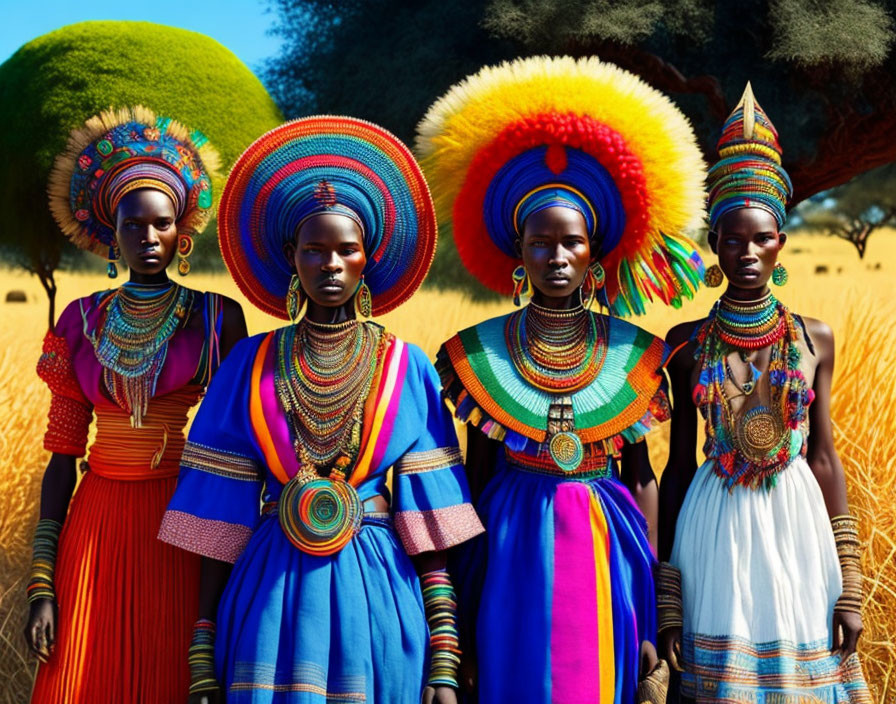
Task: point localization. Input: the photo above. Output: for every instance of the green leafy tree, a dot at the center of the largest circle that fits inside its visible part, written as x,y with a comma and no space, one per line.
55,82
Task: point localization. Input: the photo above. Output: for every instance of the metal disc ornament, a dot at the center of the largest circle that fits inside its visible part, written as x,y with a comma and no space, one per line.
760,433
319,515
566,450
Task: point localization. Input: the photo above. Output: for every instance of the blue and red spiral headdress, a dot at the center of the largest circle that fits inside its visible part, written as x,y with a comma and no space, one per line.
119,151
749,172
582,134
327,164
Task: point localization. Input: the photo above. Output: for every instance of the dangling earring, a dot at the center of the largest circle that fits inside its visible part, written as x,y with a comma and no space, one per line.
779,275
522,286
111,269
295,298
594,281
713,277
184,250
363,300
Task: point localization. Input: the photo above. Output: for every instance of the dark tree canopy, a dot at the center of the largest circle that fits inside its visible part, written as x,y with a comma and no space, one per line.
55,82
822,70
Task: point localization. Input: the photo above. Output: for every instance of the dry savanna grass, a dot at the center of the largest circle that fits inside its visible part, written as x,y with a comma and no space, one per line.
857,298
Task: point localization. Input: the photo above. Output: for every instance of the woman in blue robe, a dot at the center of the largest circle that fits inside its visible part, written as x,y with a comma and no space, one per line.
322,463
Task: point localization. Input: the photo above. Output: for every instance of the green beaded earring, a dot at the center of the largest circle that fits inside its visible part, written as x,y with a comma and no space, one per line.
779,275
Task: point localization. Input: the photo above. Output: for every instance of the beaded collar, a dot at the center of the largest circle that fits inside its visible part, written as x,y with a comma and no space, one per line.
486,387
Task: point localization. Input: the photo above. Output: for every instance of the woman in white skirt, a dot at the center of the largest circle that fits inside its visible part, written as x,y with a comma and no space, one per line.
760,597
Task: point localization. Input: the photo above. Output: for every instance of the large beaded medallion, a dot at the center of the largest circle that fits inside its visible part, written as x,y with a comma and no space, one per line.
760,433
319,515
566,450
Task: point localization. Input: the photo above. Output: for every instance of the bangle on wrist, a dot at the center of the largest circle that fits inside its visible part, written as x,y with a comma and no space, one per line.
440,606
669,607
43,561
201,657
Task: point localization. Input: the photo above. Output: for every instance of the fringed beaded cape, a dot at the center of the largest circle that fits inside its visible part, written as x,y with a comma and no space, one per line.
481,382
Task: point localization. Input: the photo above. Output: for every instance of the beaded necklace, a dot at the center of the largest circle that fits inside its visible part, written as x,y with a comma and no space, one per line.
752,445
323,377
751,325
560,351
132,343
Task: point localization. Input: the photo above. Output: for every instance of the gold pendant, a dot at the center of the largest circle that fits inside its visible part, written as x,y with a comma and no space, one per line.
760,433
566,450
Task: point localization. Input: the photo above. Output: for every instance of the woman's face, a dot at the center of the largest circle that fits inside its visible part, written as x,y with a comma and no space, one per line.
146,231
747,242
556,251
329,259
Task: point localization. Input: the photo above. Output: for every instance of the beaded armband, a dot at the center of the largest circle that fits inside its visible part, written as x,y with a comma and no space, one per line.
846,537
440,606
201,657
668,597
43,561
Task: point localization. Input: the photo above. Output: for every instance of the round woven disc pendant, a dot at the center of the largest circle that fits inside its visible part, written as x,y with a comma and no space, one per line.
567,451
760,433
319,515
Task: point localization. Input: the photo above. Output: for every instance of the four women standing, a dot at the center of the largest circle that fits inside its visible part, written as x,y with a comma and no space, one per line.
322,482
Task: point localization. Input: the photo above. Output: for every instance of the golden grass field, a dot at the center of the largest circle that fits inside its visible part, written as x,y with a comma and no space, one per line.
857,298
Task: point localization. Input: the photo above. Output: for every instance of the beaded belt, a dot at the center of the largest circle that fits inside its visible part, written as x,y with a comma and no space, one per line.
593,466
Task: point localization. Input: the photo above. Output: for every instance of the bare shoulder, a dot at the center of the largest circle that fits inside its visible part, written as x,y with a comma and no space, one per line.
820,334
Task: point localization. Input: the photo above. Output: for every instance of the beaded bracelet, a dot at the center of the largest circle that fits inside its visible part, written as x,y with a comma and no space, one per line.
201,657
43,560
440,606
846,537
668,597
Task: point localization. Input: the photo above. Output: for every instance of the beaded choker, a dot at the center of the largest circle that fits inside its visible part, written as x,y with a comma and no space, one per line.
323,377
749,325
133,341
560,351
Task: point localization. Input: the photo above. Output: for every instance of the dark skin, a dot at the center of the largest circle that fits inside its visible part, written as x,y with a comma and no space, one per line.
328,255
146,233
748,242
556,250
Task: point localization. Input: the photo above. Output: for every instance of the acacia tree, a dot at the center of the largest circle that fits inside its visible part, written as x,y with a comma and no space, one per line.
55,82
854,210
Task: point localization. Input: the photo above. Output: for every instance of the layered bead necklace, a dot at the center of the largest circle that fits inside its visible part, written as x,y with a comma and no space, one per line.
323,377
751,446
560,351
133,342
749,325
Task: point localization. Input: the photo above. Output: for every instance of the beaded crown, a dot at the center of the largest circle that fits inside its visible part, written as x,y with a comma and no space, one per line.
585,125
87,171
749,172
319,164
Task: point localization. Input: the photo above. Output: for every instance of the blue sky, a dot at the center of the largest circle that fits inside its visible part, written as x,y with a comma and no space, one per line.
240,25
